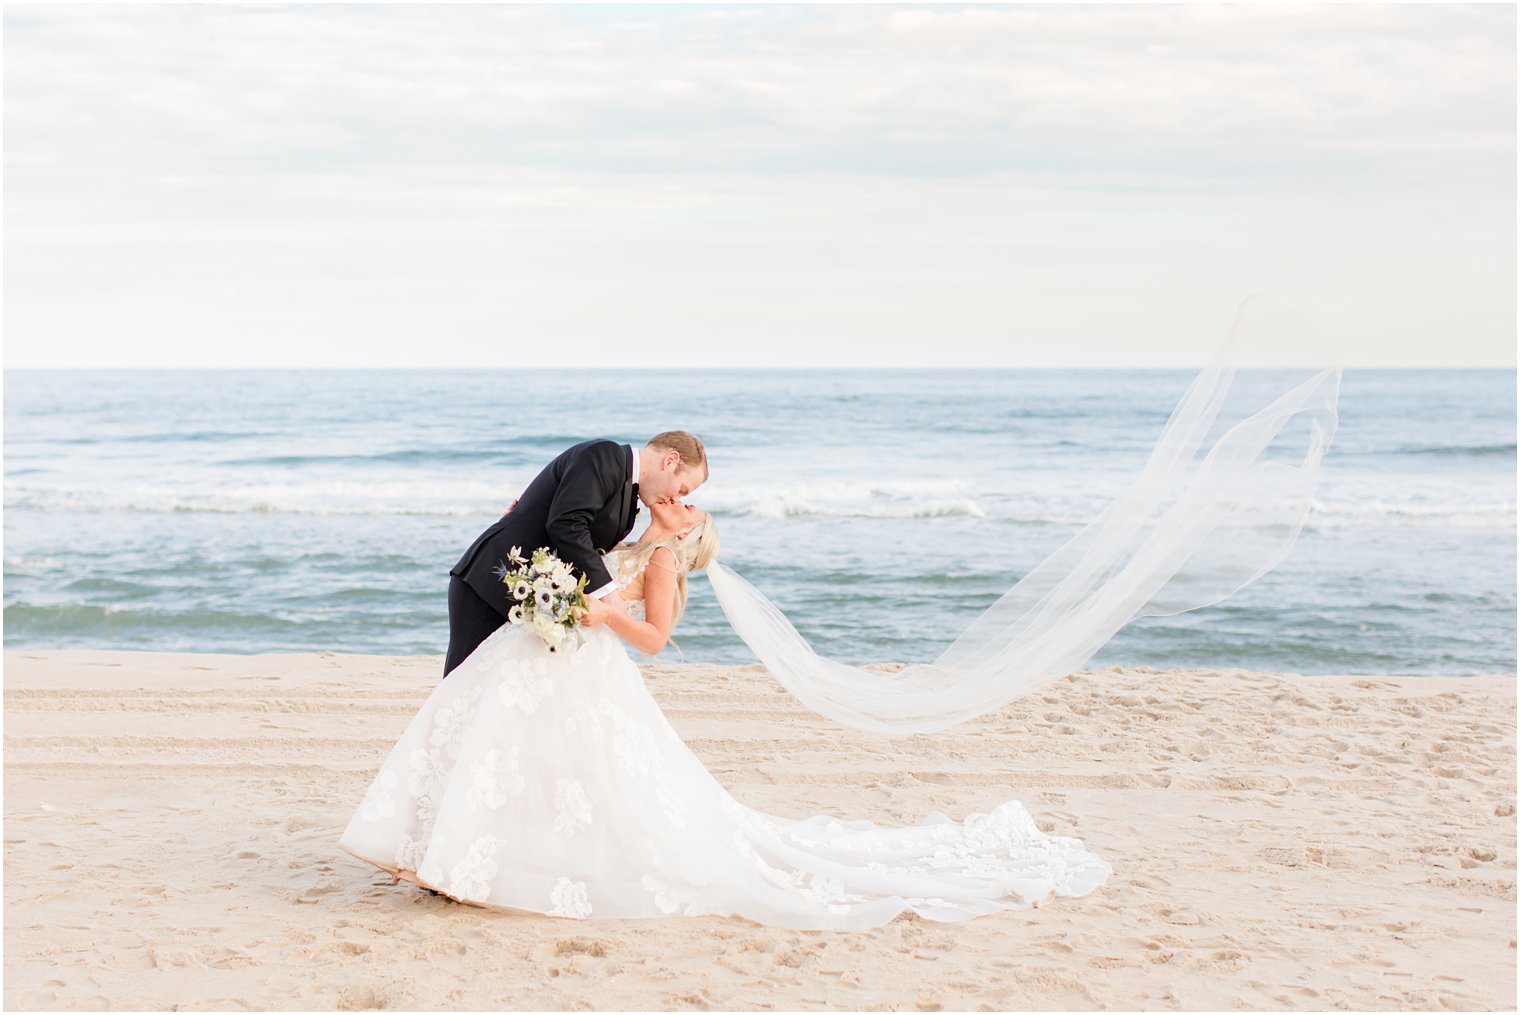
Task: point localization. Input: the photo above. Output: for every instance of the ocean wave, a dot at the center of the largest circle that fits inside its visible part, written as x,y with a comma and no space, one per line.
784,501
164,437
418,455
1500,450
1372,513
70,612
904,500
525,451
1474,450
846,500
25,564
321,499
135,619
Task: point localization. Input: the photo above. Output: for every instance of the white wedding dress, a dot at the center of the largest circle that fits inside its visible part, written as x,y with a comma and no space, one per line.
552,783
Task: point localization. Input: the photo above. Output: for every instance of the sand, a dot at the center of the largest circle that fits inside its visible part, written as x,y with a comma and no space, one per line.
1278,841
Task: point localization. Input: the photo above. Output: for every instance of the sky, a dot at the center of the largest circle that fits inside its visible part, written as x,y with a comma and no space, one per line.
753,186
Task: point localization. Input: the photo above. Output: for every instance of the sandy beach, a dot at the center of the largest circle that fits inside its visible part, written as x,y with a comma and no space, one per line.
1278,841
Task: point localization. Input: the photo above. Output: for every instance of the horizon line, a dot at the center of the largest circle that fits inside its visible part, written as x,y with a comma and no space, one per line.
754,369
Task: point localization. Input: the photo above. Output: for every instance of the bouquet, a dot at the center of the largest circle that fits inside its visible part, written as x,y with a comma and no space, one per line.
550,600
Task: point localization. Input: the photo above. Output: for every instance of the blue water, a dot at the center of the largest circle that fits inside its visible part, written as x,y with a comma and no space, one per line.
247,511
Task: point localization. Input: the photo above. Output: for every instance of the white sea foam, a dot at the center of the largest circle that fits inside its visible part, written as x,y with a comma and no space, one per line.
319,498
843,499
906,501
1371,513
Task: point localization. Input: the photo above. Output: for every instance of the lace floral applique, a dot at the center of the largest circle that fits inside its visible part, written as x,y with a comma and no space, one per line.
584,720
410,852
430,871
569,899
573,809
608,650
821,888
377,799
665,898
827,891
634,747
975,865
672,802
918,905
451,721
426,782
636,750
668,899
524,686
774,875
471,877
837,836
427,779
830,892
1007,824
497,776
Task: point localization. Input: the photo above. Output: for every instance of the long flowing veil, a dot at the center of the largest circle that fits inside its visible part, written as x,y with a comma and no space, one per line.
1218,504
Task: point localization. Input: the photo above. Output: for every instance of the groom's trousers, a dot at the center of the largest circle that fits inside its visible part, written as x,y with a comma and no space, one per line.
471,621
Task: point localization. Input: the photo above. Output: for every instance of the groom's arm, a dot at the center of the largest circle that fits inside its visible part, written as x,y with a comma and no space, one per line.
585,487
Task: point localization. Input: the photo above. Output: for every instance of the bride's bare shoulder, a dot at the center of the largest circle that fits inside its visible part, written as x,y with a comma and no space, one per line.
663,557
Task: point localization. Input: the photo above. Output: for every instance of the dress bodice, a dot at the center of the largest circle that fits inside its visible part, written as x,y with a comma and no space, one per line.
627,576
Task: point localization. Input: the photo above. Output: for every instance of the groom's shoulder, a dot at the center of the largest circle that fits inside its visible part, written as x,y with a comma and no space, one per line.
598,454
599,446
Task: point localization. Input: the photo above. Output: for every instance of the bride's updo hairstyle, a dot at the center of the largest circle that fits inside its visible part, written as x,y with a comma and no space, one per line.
693,552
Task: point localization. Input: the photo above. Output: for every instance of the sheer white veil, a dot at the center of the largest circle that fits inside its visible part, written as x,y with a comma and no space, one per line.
1219,503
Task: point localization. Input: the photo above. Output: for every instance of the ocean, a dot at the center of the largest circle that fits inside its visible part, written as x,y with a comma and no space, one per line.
264,511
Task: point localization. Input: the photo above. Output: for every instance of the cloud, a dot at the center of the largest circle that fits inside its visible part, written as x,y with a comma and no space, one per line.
306,178
870,89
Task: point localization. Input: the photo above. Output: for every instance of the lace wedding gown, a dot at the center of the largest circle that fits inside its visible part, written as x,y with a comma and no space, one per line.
552,783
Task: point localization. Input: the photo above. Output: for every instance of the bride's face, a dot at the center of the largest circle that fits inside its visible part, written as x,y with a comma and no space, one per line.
675,516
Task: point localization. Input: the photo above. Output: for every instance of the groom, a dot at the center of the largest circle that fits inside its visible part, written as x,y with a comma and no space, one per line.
582,505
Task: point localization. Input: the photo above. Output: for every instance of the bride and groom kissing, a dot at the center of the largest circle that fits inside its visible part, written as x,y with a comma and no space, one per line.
579,507
552,783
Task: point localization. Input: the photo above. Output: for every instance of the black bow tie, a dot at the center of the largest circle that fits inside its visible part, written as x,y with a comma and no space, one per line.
635,498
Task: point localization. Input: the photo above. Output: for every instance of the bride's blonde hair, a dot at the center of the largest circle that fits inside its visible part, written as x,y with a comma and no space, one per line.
693,551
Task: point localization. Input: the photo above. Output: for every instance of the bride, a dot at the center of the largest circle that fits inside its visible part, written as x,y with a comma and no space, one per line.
552,783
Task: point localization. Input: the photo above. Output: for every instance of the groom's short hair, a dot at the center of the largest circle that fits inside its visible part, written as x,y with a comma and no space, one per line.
688,446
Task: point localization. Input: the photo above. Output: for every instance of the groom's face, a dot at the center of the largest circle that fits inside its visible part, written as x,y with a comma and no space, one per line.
671,483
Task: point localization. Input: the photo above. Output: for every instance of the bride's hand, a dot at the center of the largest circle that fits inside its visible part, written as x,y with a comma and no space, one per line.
597,612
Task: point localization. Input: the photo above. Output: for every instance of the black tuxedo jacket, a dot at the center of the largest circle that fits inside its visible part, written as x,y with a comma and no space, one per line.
583,502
